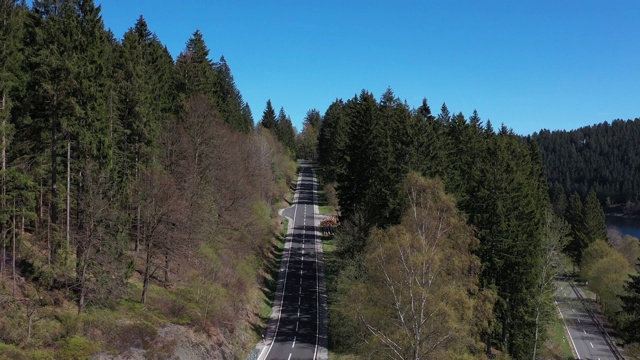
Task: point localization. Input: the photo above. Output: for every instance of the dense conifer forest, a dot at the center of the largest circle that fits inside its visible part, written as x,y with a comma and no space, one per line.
604,158
451,187
139,199
128,178
367,147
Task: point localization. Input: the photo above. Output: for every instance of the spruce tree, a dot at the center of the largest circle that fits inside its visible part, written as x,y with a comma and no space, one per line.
228,99
631,307
594,219
575,217
268,120
332,140
195,72
285,131
12,84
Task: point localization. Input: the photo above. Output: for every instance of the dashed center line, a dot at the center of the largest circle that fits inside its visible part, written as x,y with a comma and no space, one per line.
590,343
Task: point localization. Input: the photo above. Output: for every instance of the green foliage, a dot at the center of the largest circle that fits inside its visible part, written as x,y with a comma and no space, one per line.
602,157
78,348
85,120
416,290
575,217
268,120
631,306
595,227
606,271
285,131
367,147
307,139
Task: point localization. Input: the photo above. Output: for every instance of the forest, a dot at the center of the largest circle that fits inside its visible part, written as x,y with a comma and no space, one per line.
603,158
445,215
136,191
139,199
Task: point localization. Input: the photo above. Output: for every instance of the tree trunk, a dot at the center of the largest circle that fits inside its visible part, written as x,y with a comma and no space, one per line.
14,248
147,273
54,166
83,287
166,269
4,177
68,233
138,208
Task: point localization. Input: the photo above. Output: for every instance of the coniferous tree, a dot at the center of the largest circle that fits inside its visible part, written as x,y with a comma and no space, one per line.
285,131
332,140
558,199
594,219
12,85
268,120
228,99
195,70
631,307
575,217
55,91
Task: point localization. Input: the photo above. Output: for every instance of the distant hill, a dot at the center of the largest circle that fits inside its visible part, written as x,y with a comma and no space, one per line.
604,157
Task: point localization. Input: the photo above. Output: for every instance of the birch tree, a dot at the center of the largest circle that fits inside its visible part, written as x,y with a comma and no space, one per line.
417,300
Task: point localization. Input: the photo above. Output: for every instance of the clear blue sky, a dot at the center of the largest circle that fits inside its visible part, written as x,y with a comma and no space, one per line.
551,64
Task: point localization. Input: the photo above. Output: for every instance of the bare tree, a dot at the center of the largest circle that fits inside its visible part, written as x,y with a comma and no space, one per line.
163,216
100,254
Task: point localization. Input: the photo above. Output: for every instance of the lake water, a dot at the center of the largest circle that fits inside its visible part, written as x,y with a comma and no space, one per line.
625,225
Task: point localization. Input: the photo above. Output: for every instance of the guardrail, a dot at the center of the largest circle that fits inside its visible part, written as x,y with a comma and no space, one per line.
605,334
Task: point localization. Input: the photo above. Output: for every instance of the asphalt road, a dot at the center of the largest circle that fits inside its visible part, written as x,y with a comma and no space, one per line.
298,326
588,342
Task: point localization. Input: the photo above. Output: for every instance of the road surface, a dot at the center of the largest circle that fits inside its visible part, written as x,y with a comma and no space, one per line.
588,342
298,325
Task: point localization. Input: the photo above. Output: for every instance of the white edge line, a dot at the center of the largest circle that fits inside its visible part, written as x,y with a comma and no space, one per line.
315,242
286,272
567,329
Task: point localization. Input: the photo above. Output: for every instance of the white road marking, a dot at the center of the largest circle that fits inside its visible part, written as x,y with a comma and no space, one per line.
299,300
585,331
289,358
567,329
294,342
590,343
298,312
297,322
286,271
578,320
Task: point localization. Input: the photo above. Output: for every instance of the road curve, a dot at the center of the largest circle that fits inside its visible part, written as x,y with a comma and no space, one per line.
298,325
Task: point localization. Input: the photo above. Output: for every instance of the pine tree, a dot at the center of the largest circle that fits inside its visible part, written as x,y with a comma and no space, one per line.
575,217
285,131
55,86
594,219
12,81
269,118
332,140
195,71
631,307
228,99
